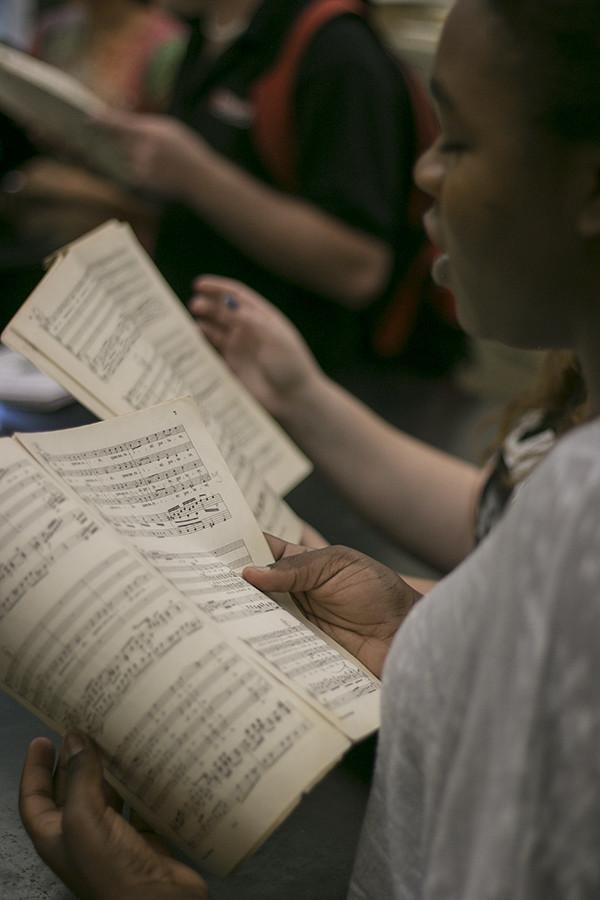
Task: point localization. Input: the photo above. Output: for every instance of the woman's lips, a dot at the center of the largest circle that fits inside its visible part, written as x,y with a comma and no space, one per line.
431,229
440,271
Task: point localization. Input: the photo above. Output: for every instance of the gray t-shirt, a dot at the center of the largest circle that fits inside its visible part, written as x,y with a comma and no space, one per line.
487,784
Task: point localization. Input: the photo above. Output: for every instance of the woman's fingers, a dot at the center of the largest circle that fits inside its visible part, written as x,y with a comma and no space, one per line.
84,800
225,324
217,311
216,335
37,806
60,776
215,285
296,570
220,289
40,815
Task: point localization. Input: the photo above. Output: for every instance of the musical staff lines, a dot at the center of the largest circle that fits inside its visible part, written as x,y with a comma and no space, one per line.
142,475
308,660
102,317
211,584
102,634
221,727
34,531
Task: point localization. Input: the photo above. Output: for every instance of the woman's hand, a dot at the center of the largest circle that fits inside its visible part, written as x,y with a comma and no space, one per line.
73,822
258,343
359,602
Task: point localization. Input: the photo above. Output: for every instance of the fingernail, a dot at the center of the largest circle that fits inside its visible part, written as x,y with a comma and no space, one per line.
231,302
257,568
73,745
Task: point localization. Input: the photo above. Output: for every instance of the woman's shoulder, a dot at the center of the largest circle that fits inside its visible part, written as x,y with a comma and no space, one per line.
550,536
573,466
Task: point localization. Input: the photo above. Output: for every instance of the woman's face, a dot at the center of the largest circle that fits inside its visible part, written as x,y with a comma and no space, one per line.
503,190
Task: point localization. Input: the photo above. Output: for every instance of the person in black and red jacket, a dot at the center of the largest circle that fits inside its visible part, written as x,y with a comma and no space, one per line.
327,244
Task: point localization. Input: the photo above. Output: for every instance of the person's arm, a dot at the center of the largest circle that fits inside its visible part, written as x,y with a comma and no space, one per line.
420,496
423,498
291,237
352,124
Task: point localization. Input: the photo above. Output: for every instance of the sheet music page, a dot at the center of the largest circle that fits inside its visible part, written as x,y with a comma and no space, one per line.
104,315
77,335
208,748
158,479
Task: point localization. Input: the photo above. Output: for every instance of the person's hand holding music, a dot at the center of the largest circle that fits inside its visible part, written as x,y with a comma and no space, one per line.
354,599
73,821
161,155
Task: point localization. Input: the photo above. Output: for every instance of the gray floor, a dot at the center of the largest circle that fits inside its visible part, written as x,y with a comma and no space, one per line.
310,855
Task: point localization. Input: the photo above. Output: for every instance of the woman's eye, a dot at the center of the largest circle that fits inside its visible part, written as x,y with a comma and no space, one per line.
452,147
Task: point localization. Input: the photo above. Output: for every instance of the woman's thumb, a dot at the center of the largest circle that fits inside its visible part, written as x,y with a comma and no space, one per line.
303,572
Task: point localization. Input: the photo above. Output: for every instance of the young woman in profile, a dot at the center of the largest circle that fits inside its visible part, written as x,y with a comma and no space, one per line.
488,764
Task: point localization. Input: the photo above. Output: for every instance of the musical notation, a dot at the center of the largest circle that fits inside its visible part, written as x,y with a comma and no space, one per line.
113,319
111,649
114,637
161,484
188,517
86,616
115,451
155,636
212,583
102,317
34,531
220,727
308,660
234,555
143,475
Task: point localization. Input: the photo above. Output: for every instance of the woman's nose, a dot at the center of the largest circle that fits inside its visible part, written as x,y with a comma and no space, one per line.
429,172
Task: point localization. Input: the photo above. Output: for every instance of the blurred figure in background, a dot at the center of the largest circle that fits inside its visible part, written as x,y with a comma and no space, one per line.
300,188
126,52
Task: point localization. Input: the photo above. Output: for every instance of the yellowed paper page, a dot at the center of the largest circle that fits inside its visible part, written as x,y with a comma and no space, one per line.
71,329
158,479
207,747
105,315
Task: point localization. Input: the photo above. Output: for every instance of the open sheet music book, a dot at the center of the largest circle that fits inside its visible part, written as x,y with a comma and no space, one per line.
104,324
44,98
122,614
